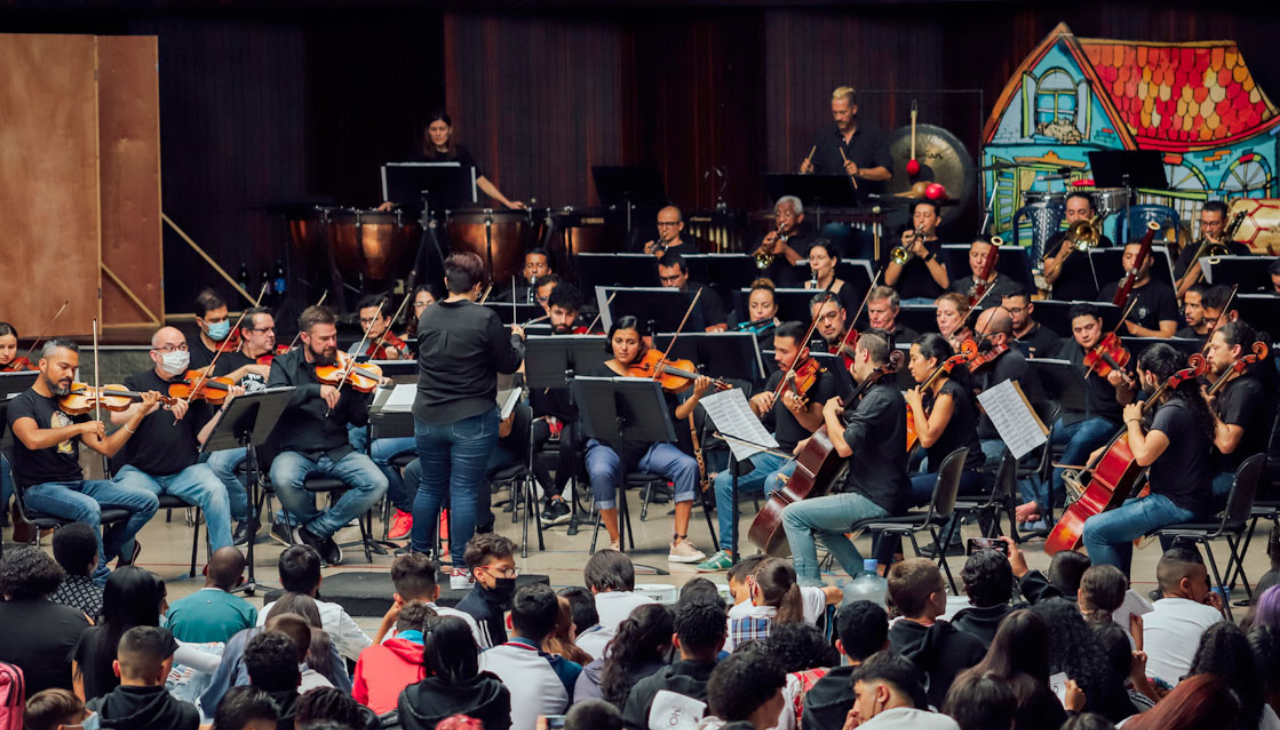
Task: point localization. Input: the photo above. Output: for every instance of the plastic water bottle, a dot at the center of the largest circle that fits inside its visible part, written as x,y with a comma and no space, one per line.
867,587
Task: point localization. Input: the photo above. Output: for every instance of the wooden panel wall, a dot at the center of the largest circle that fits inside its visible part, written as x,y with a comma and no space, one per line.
48,181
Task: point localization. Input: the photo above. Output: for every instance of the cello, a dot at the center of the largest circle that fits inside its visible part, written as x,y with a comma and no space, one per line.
1114,474
818,469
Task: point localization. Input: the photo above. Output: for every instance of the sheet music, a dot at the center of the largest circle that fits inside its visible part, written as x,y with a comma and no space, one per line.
507,401
732,416
1013,417
401,398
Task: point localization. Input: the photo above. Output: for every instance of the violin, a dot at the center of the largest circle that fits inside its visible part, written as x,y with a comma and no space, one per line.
194,385
1238,367
363,376
1109,354
17,365
846,347
1144,250
982,359
800,378
968,351
675,376
271,356
115,398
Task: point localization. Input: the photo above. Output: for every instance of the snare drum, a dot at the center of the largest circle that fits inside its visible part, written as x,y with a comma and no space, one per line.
498,237
1031,197
372,242
1109,201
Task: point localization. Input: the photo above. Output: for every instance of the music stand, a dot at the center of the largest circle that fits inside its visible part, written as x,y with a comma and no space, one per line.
524,312
1056,315
1061,381
1252,273
247,423
624,409
920,317
1261,311
723,272
11,384
444,184
615,269
725,355
815,191
1128,169
628,188
399,371
1184,345
1108,264
661,308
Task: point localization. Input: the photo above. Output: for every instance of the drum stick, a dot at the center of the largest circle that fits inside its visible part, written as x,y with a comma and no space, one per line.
809,159
852,179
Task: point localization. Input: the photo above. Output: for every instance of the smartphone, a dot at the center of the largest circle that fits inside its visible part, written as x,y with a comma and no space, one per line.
986,543
555,722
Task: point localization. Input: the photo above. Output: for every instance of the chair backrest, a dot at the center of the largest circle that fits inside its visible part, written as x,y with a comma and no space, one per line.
1243,488
1006,477
948,484
1135,225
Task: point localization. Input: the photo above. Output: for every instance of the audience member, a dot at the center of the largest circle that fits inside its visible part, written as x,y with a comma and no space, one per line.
299,568
941,651
583,604
593,715
454,684
862,628
540,684
460,722
34,630
213,613
742,582
272,662
638,650
1074,650
1065,571
1102,588
55,709
888,694
414,578
560,640
75,547
385,669
491,565
1265,642
326,704
246,708
988,582
611,577
140,701
1171,632
300,632
747,687
1125,662
1224,651
775,600
1087,721
1203,702
323,666
805,655
1266,610
701,627
980,701
1019,657
132,597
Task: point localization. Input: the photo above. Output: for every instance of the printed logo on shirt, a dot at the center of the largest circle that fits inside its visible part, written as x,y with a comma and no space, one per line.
62,420
674,711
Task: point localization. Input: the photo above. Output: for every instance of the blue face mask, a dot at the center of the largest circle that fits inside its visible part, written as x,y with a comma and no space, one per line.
219,331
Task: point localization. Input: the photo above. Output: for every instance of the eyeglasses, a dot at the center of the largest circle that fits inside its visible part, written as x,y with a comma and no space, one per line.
173,348
668,224
367,322
419,306
501,572
1016,310
261,329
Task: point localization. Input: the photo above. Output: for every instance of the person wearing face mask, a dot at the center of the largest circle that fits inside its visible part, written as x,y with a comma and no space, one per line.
491,561
215,329
162,457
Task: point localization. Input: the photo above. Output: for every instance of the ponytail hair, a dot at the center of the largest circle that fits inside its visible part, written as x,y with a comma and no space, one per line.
776,580
642,638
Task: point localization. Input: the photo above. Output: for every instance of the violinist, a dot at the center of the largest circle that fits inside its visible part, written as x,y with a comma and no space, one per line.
462,347
423,297
952,315
1155,313
9,359
823,260
312,436
555,414
673,271
870,433
1241,407
923,277
608,463
762,310
882,314
1215,301
162,458
1193,313
831,319
984,284
792,418
995,335
786,242
46,457
945,415
1031,338
1080,431
1176,448
375,319
1068,270
215,327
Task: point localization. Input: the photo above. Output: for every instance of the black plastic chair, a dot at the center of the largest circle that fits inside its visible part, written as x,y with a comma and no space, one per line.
635,480
38,520
1002,497
322,485
518,479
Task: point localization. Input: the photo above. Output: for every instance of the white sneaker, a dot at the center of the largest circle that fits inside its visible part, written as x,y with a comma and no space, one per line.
615,545
685,552
459,580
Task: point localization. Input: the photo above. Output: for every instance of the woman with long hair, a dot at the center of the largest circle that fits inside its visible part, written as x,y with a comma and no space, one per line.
639,649
1019,657
775,600
1177,448
560,640
1224,651
945,416
454,684
439,145
1074,650
132,597
1203,702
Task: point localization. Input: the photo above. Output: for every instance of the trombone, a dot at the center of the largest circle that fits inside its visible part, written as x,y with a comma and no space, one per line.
1082,235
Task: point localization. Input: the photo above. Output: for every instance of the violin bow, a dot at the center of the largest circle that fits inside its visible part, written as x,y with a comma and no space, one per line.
222,347
1123,318
1218,319
827,295
658,370
97,379
298,335
484,297
44,333
383,337
601,312
854,322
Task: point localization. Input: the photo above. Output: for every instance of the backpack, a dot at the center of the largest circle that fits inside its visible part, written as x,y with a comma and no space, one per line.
13,697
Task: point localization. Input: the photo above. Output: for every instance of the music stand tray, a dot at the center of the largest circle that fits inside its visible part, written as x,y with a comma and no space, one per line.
1055,314
726,355
1061,381
1252,273
11,384
548,361
446,184
1128,168
615,269
639,186
1261,311
661,308
818,191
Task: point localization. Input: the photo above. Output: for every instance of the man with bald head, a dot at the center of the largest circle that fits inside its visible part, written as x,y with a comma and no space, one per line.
161,458
213,613
670,234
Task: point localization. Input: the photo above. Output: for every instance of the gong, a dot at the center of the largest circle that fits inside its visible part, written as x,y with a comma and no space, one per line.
943,159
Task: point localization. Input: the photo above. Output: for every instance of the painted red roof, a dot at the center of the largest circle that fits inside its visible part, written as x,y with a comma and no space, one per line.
1192,94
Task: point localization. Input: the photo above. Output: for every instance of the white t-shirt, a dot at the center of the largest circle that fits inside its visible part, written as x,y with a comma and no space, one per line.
343,631
613,607
812,597
1171,635
909,718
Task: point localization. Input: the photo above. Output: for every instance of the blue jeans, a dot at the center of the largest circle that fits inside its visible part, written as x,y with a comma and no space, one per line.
367,485
453,458
1081,439
382,451
827,519
196,485
224,463
1222,489
83,501
768,467
1109,536
922,486
607,472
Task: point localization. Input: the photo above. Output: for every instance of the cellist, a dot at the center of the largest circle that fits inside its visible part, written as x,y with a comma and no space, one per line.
791,418
871,436
1240,408
1176,447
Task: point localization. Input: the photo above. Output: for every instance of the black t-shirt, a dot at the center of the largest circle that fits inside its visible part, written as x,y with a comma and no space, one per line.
1039,342
162,444
232,361
1243,402
94,661
1076,283
847,297
201,356
1002,287
867,148
60,463
1009,366
710,308
1100,396
1155,303
876,430
961,430
902,334
915,281
38,636
461,155
786,429
1185,469
1188,254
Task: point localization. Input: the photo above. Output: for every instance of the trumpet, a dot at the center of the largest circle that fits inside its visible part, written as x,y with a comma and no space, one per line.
763,258
1211,251
900,255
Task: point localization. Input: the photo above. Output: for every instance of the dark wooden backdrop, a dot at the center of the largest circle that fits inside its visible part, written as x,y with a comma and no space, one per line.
263,103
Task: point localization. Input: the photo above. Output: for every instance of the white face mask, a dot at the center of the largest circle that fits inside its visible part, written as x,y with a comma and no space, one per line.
175,363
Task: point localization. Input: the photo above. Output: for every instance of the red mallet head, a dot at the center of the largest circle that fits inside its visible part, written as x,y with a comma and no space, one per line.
935,191
913,167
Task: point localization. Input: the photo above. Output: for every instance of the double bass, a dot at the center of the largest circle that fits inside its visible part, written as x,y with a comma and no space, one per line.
818,468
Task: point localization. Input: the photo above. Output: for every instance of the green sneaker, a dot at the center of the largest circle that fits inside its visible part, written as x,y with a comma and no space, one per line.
718,563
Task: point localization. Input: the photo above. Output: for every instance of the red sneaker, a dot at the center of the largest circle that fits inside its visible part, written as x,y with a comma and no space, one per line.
401,525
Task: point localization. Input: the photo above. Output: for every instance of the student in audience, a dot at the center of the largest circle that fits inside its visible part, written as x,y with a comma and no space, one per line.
941,651
246,708
454,683
862,628
609,575
988,582
1019,657
1224,651
141,702
414,578
775,600
1265,643
1203,702
491,566
638,650
982,702
583,604
700,634
888,694
805,654
1266,608
300,632
540,684
272,662
1117,651
593,715
132,597
54,709
321,656
748,687
560,640
213,613
1172,631
385,669
1065,571
299,568
813,599
33,629
1102,589
75,547
328,705
1074,650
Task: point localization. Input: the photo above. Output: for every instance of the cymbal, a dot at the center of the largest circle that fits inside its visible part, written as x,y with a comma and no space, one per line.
943,159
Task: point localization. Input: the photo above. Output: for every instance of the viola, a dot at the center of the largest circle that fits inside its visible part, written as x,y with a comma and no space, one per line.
846,347
17,365
968,351
363,376
800,378
1109,354
1144,250
1113,477
195,385
115,398
982,359
675,376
